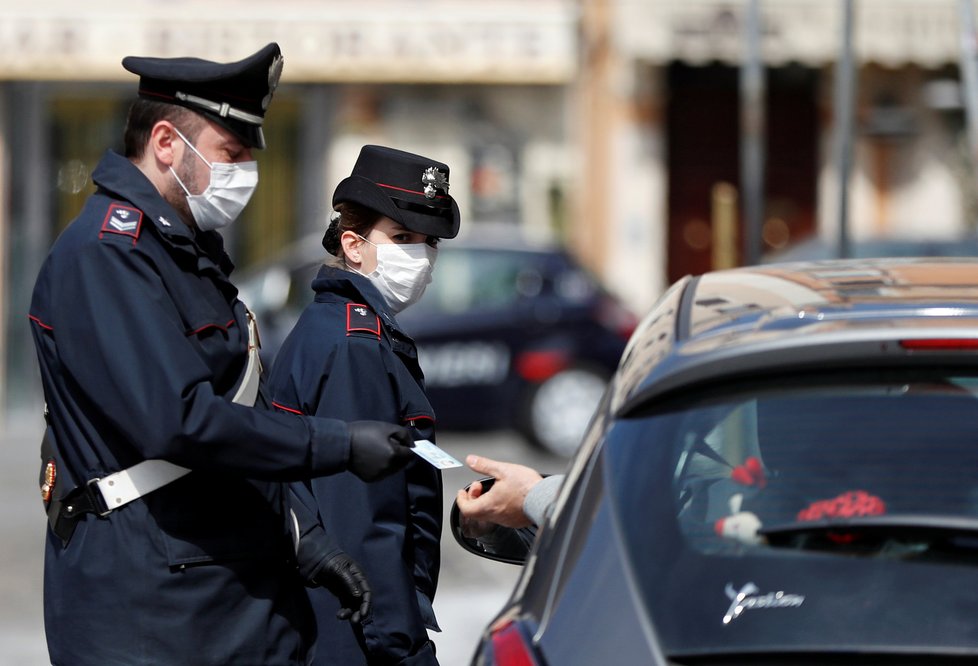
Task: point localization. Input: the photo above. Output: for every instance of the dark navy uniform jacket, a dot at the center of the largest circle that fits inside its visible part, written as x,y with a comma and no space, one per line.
140,339
347,358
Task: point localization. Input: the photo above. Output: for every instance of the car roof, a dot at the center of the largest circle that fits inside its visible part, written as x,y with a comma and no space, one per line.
505,236
488,236
805,315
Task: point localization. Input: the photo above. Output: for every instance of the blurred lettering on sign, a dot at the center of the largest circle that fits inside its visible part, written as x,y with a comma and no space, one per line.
400,41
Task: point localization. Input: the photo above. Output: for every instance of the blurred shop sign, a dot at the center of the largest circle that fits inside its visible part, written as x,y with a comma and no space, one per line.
889,32
371,40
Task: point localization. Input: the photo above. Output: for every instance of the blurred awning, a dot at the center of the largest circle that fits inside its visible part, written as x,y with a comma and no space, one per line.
447,41
418,41
889,32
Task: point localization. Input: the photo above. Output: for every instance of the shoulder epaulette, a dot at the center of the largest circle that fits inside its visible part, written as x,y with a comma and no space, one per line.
361,319
122,220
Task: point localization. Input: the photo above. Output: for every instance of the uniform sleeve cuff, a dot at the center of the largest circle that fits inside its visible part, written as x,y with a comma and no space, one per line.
330,445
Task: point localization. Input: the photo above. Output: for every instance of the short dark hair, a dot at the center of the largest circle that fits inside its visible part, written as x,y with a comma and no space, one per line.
144,114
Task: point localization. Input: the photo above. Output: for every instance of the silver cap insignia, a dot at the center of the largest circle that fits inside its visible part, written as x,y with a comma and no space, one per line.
274,74
433,180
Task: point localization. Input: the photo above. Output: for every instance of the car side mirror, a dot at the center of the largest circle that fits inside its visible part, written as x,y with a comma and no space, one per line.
492,541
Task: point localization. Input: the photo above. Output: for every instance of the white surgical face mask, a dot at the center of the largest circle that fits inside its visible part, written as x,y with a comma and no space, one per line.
231,186
403,272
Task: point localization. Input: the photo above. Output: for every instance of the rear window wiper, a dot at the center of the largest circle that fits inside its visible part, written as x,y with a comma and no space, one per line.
901,534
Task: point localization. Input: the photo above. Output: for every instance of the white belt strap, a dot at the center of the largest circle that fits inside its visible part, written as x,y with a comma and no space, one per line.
122,487
247,392
141,479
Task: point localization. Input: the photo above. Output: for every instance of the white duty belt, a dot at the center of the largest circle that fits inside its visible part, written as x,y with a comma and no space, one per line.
130,484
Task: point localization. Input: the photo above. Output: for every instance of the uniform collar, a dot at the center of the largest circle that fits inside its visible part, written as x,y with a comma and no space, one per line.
341,282
118,175
121,177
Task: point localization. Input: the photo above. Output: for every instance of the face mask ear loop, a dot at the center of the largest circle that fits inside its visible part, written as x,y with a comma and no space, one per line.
180,183
196,152
193,148
351,267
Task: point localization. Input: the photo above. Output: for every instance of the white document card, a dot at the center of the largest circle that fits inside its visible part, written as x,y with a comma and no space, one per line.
437,457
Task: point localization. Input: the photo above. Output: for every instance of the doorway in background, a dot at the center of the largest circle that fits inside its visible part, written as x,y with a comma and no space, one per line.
703,130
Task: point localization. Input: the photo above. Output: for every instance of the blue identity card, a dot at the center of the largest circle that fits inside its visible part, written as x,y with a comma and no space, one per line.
437,457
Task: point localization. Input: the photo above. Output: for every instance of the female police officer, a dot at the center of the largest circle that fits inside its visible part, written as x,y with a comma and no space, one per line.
348,358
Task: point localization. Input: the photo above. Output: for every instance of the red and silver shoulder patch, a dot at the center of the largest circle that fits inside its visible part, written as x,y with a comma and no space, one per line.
122,220
361,319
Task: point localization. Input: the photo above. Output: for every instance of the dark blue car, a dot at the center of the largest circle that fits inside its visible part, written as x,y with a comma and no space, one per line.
511,334
782,472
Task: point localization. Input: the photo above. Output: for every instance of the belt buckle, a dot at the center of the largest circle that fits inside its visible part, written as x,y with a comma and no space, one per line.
98,501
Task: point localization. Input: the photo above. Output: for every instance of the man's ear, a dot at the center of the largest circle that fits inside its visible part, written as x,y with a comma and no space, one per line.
351,244
162,138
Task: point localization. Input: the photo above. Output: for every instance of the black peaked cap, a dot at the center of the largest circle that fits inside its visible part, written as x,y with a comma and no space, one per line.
235,95
407,188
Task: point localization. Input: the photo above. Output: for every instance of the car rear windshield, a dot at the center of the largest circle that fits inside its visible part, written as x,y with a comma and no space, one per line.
755,486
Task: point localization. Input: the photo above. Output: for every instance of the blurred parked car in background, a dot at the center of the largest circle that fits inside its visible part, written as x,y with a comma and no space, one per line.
511,333
816,248
782,472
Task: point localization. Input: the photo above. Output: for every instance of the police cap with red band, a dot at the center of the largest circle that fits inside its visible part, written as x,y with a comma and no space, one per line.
234,95
407,188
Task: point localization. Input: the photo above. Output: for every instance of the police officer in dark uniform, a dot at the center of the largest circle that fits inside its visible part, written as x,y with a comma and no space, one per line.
348,358
173,539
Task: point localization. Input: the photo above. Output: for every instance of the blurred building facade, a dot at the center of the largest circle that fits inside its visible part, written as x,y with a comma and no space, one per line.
611,124
673,78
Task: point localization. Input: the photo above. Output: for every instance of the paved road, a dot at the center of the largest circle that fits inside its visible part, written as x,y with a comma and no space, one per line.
21,547
471,590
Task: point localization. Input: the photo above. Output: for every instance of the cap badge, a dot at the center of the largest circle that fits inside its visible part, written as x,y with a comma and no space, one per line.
274,74
433,180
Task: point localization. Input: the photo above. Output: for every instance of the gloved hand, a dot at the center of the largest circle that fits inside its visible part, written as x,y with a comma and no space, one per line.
378,449
342,576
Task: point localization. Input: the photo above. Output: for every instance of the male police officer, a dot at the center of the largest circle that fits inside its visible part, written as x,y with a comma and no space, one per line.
172,540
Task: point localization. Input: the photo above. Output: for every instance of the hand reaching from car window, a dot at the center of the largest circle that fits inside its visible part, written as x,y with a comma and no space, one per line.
502,504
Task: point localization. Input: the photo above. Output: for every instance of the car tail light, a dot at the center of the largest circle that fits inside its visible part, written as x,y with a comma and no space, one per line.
537,366
509,648
941,344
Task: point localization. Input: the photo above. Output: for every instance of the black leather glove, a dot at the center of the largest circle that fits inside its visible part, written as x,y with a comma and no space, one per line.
342,576
378,449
